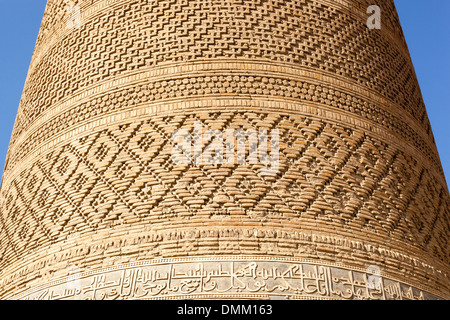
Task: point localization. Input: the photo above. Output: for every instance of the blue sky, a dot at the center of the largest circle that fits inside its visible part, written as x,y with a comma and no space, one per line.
425,24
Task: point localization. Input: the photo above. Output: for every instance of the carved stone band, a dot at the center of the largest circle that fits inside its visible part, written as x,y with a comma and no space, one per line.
227,277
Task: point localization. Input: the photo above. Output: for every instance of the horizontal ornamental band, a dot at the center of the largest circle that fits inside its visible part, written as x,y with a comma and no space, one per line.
227,277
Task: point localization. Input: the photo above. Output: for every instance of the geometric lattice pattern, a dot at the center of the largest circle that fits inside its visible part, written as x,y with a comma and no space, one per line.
90,181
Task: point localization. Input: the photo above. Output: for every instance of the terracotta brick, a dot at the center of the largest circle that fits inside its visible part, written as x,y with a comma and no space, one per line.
90,190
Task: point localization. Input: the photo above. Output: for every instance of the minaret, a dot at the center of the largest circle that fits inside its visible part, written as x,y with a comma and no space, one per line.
223,149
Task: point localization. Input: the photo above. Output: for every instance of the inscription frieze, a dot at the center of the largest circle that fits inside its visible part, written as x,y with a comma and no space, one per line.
291,280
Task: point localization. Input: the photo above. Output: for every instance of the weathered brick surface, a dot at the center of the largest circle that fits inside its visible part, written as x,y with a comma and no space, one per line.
90,189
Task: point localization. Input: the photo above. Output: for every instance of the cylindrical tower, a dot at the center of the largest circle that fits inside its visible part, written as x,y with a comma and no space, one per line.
106,195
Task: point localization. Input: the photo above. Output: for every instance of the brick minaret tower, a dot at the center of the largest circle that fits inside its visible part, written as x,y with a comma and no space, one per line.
94,204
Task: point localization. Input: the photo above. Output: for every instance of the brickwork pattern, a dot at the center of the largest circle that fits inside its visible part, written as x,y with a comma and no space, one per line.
89,180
